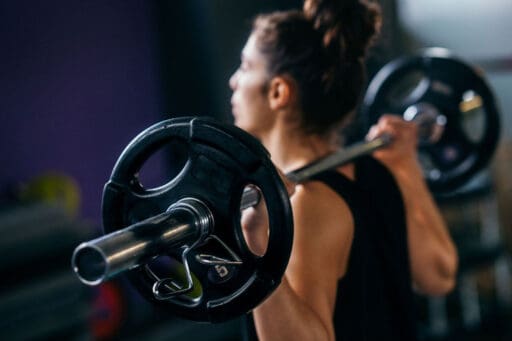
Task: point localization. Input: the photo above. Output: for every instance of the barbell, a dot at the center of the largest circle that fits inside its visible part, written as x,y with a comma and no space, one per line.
181,244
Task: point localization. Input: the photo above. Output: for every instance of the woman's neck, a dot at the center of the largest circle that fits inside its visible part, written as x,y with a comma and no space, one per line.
291,148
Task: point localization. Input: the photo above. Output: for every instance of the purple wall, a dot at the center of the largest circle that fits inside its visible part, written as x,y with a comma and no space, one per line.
78,80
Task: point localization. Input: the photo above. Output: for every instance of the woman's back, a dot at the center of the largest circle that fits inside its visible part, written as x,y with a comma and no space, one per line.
375,300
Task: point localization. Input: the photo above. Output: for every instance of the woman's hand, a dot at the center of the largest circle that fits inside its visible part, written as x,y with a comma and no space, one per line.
403,147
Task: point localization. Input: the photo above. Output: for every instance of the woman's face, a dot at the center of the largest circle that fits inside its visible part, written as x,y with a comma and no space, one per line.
249,102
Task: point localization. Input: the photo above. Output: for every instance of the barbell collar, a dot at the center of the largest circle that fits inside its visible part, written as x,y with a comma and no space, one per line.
431,123
186,222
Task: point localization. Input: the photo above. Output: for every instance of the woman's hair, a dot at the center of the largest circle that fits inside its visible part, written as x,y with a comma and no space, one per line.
323,49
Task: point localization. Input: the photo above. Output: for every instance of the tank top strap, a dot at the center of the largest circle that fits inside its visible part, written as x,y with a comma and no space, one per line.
341,184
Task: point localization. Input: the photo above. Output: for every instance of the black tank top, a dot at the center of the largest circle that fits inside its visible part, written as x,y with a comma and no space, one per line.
375,299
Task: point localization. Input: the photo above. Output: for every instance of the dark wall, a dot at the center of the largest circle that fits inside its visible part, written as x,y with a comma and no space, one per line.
78,80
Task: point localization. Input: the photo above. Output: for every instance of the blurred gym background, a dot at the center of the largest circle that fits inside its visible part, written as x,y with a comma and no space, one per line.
79,79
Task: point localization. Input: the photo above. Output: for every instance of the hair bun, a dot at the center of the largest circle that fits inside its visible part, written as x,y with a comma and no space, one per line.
347,26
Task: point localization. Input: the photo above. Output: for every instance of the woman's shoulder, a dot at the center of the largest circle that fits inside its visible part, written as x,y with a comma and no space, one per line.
318,202
324,225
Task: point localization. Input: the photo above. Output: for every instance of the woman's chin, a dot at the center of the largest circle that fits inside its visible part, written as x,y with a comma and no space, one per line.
239,122
242,124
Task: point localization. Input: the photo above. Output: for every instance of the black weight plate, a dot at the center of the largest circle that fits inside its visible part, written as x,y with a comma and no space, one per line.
222,160
458,91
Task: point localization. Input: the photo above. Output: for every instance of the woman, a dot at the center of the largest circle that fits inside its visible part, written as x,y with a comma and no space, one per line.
365,233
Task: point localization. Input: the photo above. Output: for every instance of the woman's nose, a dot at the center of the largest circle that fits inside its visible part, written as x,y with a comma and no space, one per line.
232,80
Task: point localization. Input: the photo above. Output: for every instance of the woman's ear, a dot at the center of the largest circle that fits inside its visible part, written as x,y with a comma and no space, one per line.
281,92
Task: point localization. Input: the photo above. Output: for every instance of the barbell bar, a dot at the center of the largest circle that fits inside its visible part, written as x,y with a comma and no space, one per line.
189,222
430,129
